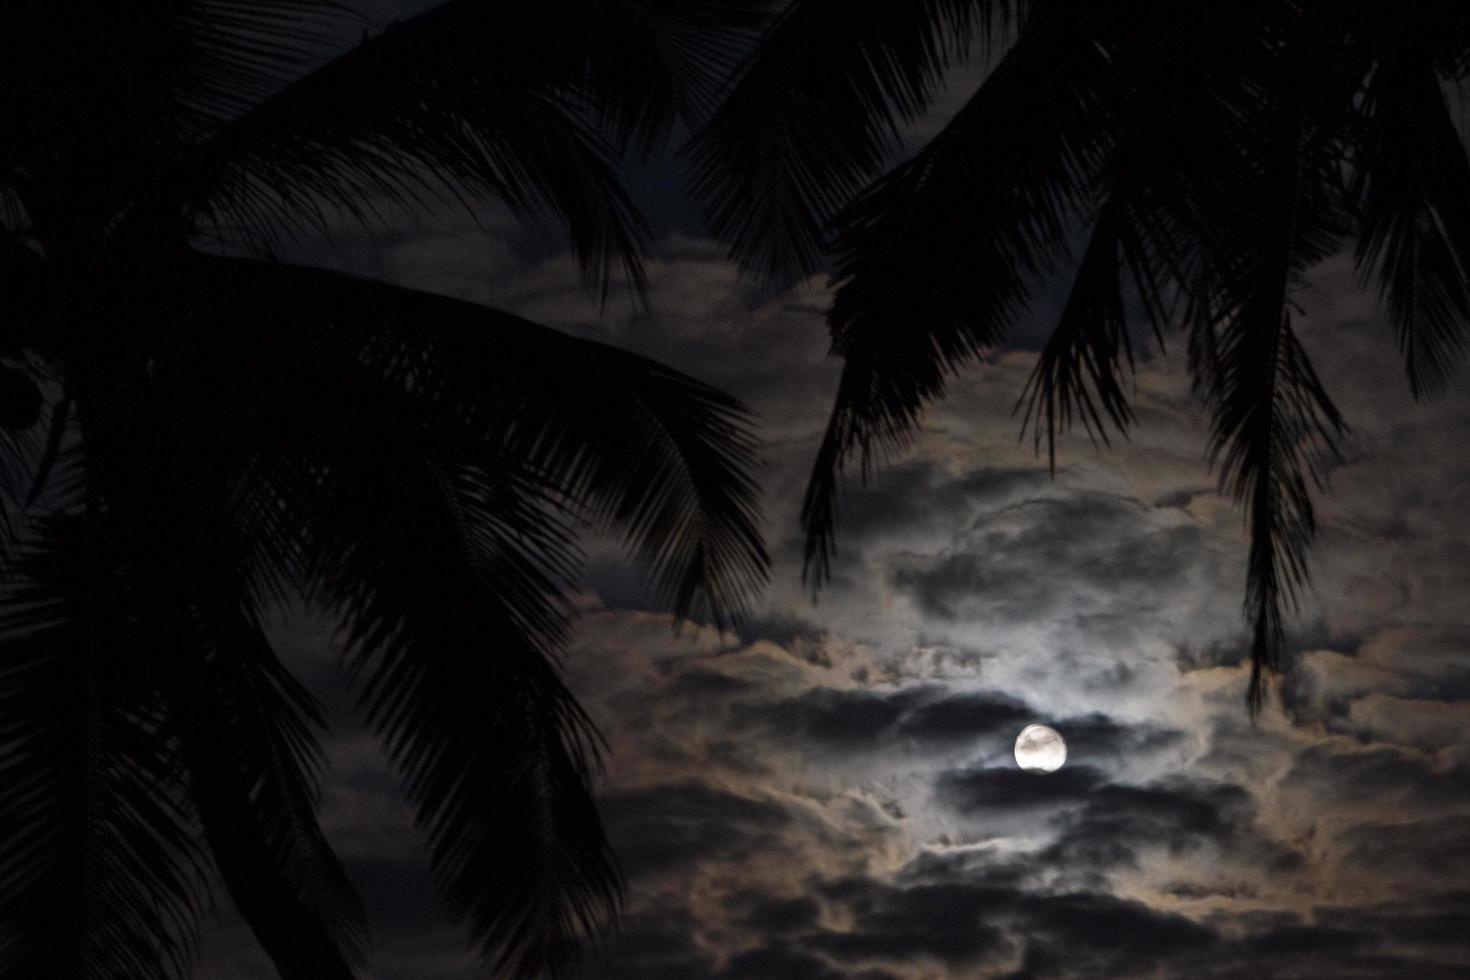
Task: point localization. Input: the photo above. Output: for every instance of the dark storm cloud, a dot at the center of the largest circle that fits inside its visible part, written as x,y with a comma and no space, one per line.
828,715
783,963
974,866
983,792
1101,825
1434,921
1044,552
1379,775
1437,848
1100,934
1297,939
779,628
946,922
772,915
934,715
1097,738
664,827
965,716
1340,943
965,925
923,494
877,718
1180,816
706,685
653,944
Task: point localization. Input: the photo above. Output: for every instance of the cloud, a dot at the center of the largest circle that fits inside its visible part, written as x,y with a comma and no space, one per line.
651,945
982,793
1409,850
854,718
667,827
1097,739
1119,823
944,922
1091,934
773,915
783,963
966,716
1008,566
1380,778
828,791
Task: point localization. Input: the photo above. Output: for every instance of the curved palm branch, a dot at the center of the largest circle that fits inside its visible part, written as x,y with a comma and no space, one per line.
97,841
418,464
534,125
1274,424
798,136
621,440
450,454
982,219
248,732
266,446
937,257
1146,231
1080,370
1412,190
454,623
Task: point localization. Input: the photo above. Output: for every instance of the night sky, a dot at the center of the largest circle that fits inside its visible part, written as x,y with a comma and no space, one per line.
829,791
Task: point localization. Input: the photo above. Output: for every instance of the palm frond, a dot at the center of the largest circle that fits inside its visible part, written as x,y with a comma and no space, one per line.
940,256
1274,425
1412,190
441,454
529,103
698,44
241,52
97,842
1143,253
625,442
448,583
246,729
197,541
798,136
1080,369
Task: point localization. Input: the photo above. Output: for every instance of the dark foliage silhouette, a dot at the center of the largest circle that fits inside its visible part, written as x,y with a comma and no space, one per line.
1205,154
195,433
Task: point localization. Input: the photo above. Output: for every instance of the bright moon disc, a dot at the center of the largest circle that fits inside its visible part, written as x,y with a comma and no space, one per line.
1040,749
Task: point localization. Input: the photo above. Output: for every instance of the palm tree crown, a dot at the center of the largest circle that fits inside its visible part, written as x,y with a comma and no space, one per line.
227,431
1206,155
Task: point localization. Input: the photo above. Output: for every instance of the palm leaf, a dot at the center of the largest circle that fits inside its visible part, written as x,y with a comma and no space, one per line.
440,455
625,442
447,581
942,253
1079,370
1273,423
798,136
1270,409
529,101
1413,196
97,846
1170,62
246,730
192,559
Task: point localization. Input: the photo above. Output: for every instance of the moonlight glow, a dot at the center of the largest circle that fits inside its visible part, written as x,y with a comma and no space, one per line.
1040,749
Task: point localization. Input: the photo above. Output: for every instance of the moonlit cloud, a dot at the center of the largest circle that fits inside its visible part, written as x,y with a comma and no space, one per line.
828,791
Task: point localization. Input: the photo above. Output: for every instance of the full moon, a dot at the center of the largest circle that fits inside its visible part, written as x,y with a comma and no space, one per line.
1040,749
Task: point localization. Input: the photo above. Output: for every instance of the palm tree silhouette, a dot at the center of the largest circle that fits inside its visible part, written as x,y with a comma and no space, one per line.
227,431
1206,155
